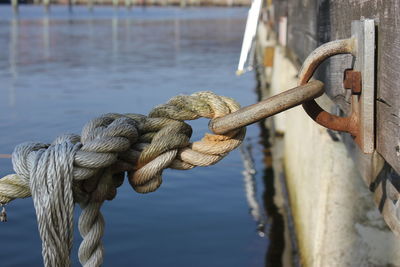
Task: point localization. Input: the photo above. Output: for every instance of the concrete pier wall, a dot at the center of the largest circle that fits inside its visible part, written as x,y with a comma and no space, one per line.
336,220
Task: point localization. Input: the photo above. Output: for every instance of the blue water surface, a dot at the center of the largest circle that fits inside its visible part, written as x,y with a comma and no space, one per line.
58,71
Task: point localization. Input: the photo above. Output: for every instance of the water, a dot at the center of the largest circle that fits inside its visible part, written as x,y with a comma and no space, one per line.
59,71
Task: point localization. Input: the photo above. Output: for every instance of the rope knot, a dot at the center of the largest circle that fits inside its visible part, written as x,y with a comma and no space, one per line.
88,169
173,141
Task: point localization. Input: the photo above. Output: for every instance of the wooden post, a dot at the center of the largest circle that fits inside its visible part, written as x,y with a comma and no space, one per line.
90,5
70,6
128,4
115,3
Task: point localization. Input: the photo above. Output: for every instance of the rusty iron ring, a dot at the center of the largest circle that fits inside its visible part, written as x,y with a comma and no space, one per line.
344,124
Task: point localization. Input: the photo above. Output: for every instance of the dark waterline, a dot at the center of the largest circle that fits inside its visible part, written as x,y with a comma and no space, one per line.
59,71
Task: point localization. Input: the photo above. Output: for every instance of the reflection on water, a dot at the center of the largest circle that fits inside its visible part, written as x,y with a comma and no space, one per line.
177,35
274,255
46,37
13,60
250,185
282,249
115,37
65,68
13,46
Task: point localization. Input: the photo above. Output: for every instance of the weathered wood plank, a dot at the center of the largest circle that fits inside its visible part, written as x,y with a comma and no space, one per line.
387,15
302,27
313,22
388,128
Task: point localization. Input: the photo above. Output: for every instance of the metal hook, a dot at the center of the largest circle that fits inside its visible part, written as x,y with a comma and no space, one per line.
319,55
267,107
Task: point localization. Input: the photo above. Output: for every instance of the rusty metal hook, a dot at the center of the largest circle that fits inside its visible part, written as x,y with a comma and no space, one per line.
267,107
344,124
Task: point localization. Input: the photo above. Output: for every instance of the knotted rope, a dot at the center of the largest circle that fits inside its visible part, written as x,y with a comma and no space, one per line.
87,169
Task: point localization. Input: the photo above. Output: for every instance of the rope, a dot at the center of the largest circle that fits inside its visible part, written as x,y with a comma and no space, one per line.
51,186
88,169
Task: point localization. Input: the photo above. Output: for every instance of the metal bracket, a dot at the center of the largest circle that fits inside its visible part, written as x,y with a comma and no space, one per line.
360,123
363,31
361,79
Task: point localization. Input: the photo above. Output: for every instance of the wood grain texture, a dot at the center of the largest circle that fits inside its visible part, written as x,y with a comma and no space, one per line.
302,25
313,22
387,15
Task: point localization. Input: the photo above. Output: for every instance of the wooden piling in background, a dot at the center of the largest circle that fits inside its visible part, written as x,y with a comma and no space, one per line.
70,6
90,5
128,4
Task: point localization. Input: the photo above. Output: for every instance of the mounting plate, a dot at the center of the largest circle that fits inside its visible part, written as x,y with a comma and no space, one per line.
363,31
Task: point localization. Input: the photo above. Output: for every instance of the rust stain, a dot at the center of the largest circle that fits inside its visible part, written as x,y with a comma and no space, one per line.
269,56
352,80
320,116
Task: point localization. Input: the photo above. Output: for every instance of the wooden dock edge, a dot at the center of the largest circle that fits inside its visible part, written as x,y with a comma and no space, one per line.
321,233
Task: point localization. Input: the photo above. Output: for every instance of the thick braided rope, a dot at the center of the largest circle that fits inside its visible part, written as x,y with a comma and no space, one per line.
109,146
102,140
51,186
208,151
